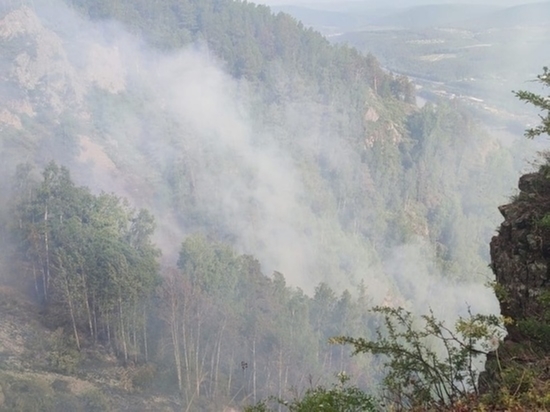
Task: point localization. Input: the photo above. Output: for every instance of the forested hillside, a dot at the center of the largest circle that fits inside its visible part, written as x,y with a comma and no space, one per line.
293,183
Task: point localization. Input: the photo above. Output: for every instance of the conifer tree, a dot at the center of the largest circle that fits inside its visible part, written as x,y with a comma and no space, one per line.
541,102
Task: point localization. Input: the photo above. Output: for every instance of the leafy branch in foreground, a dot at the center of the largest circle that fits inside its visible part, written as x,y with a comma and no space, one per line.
430,366
543,103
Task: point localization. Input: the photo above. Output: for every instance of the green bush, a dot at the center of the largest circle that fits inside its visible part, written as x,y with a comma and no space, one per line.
544,222
63,357
144,376
432,366
27,395
95,401
338,398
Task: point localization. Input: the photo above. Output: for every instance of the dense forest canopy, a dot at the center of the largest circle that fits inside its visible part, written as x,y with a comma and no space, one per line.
293,184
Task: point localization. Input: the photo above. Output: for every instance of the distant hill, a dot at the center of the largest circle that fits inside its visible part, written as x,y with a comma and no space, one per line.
394,14
320,19
535,14
435,15
403,14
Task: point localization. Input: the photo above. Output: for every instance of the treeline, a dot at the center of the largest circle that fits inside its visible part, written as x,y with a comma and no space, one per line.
387,171
376,171
90,258
256,45
214,328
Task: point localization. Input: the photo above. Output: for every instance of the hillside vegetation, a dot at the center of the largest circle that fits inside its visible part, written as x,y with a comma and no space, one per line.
463,51
202,193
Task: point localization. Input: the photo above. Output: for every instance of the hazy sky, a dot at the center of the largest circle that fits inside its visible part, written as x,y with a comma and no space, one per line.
385,3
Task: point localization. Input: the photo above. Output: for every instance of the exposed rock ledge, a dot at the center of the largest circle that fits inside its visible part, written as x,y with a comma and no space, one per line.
520,259
520,253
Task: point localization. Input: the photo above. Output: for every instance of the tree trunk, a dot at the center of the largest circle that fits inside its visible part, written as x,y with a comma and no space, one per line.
267,377
134,335
122,329
35,280
70,303
217,369
212,366
280,373
75,331
46,279
145,346
176,346
107,324
254,369
87,305
230,377
174,322
197,362
186,356
94,313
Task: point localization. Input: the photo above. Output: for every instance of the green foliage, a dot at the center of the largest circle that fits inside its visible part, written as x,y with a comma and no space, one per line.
536,327
210,265
540,102
95,401
90,258
250,39
501,292
29,395
428,366
144,376
219,306
62,354
338,398
544,221
518,379
33,393
382,195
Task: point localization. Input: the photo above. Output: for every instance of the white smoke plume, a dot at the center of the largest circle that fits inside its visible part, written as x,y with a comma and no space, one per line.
244,180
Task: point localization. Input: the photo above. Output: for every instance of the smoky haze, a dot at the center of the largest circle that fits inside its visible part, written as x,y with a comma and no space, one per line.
391,3
182,108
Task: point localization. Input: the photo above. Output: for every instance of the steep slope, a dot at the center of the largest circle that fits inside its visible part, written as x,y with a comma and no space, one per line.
298,93
102,126
257,134
41,371
518,371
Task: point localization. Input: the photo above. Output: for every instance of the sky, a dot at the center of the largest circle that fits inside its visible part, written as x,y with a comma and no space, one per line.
386,3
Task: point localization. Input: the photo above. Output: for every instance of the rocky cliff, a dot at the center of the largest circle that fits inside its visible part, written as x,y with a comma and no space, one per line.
519,371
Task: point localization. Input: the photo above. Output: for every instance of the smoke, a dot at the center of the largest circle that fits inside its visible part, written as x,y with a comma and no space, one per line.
153,116
250,186
173,107
425,288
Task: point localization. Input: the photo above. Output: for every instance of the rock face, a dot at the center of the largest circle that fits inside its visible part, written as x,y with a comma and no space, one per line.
519,371
520,254
40,71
